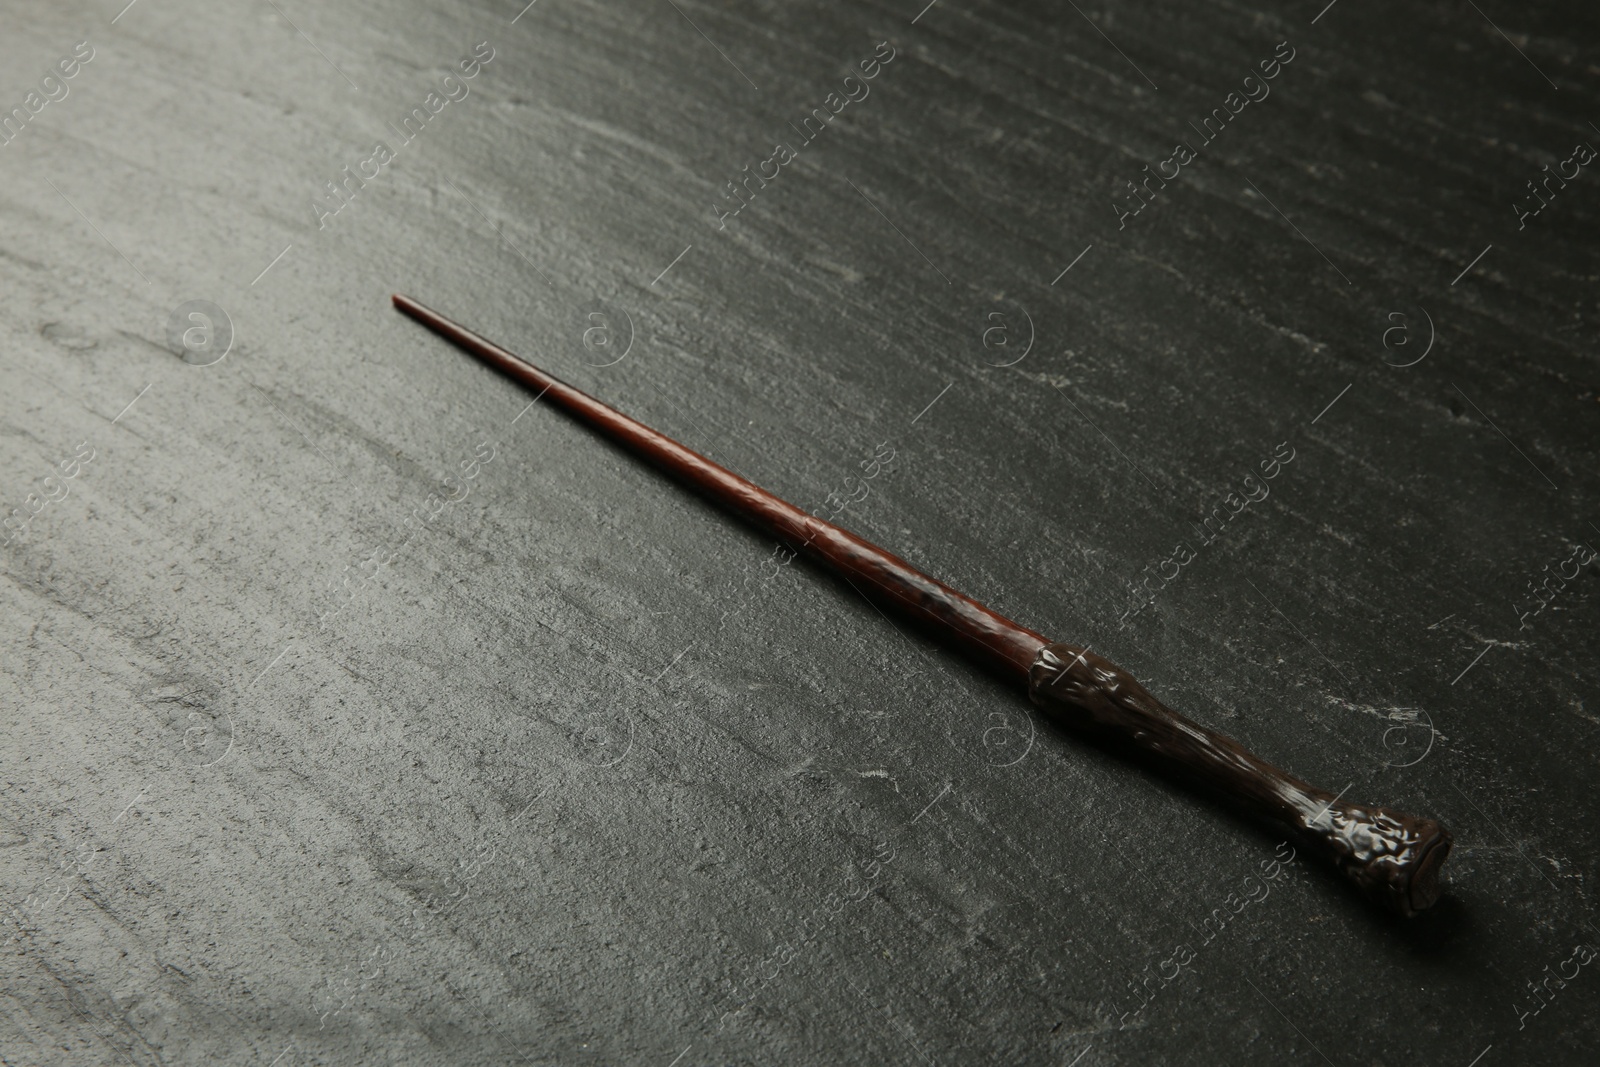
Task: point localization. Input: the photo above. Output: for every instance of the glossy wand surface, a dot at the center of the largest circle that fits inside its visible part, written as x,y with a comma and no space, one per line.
1392,858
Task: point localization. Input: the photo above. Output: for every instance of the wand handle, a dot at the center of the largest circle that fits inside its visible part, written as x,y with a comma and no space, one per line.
1392,858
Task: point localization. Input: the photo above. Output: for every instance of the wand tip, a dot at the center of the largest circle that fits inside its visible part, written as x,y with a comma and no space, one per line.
408,306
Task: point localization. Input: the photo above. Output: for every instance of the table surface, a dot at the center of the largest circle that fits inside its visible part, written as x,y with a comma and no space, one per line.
357,711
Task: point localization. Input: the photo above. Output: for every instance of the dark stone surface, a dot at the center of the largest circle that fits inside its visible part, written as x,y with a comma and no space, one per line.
577,773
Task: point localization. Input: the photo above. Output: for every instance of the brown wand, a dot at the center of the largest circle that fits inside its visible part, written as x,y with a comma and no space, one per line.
1392,858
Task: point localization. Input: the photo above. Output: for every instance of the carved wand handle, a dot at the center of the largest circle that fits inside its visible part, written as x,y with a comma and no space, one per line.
1392,858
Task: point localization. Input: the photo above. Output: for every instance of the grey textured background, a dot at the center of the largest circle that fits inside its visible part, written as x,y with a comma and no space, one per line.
577,772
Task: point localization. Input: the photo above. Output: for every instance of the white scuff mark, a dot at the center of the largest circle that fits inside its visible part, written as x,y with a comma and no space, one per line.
1495,641
1337,536
879,772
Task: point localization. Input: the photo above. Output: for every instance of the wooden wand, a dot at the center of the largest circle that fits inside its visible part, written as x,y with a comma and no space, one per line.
1393,858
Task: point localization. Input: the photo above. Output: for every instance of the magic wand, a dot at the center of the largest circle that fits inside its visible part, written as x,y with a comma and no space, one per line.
1392,858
